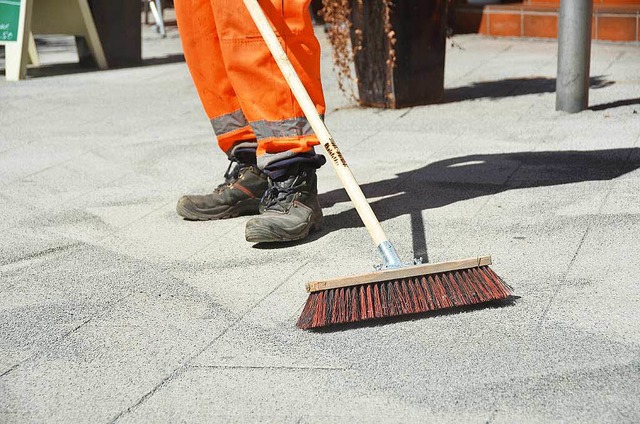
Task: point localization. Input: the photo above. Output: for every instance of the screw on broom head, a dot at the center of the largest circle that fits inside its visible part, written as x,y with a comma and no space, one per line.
389,293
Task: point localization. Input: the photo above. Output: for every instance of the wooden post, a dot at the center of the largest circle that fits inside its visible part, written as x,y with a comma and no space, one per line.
401,59
33,51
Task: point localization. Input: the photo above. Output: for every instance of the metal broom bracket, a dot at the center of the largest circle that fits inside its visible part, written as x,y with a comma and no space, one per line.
390,258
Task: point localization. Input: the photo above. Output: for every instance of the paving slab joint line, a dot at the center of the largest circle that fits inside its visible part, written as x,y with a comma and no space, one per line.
186,365
267,367
382,129
42,254
408,111
67,334
13,367
611,183
147,395
69,201
563,278
491,196
129,224
47,168
35,355
614,60
506,49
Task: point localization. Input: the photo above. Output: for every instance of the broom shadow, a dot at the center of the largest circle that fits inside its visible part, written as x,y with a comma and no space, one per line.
379,322
457,179
453,180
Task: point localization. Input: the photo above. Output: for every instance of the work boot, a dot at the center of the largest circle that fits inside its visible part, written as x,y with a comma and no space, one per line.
240,194
289,209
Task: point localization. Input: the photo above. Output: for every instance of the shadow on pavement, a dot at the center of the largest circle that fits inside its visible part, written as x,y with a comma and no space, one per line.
78,68
510,87
619,103
462,178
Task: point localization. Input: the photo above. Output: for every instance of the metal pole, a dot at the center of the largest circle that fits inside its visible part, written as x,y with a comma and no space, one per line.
156,10
574,55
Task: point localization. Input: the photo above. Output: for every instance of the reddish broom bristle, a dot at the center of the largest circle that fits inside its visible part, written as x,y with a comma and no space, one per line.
426,292
402,297
377,302
352,305
362,302
392,298
369,301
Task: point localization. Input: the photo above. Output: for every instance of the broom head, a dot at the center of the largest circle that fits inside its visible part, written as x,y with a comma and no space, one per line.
402,291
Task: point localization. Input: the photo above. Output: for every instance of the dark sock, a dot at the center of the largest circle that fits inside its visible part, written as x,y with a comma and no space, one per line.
282,168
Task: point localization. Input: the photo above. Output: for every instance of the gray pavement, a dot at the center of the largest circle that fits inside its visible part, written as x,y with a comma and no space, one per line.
112,309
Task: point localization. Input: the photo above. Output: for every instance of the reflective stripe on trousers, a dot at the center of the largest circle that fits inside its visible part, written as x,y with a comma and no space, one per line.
229,122
238,80
287,128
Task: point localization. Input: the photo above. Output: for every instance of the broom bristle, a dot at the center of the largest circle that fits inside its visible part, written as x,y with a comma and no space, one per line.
403,296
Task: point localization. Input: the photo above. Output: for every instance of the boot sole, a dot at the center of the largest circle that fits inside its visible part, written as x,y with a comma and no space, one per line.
246,207
263,235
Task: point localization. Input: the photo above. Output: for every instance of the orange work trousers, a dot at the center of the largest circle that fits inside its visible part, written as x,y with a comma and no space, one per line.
239,83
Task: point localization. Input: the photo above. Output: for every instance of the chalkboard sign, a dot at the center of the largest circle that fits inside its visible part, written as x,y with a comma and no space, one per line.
9,20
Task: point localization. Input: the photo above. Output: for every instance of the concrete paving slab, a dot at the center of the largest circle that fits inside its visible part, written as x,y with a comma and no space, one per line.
123,337
624,197
227,395
469,371
599,292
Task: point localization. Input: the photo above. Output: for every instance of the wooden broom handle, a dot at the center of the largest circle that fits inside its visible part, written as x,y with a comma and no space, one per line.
309,109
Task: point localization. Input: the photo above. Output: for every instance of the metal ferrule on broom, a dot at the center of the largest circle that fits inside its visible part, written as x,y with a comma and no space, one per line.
385,248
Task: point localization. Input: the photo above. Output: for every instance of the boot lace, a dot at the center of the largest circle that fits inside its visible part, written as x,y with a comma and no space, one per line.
277,196
231,175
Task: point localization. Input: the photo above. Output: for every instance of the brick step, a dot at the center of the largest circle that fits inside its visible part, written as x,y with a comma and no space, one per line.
612,2
611,22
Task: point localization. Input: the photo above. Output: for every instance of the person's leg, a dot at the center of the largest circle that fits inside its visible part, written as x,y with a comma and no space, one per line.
244,186
290,209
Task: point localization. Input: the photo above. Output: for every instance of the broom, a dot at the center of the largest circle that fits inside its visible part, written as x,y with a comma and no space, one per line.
396,289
